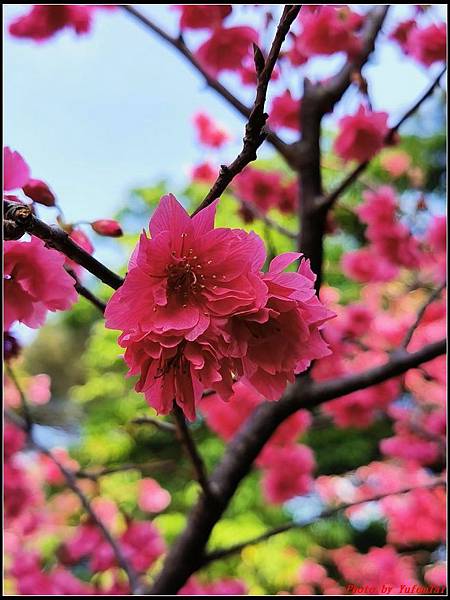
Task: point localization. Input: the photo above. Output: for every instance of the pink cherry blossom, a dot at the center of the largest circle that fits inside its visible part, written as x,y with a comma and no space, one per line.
201,16
428,45
361,136
328,29
285,112
262,188
152,497
401,33
35,282
16,172
209,132
364,265
39,391
396,163
227,48
44,21
204,173
280,484
418,516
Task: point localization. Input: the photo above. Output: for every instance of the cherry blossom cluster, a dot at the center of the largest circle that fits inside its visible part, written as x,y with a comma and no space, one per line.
196,312
35,277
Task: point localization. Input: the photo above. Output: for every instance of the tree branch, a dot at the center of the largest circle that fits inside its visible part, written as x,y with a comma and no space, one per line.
71,482
255,133
433,296
54,237
331,198
188,443
318,99
178,43
326,514
185,556
158,423
87,294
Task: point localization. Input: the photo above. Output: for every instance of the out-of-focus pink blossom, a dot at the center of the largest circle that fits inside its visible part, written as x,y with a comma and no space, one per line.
204,173
35,282
209,132
285,112
16,172
227,48
361,136
428,45
152,497
202,16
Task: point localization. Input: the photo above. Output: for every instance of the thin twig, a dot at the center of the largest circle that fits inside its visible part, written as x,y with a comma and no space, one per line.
55,237
329,200
179,44
83,291
188,443
326,514
71,482
433,296
95,475
255,133
158,423
257,213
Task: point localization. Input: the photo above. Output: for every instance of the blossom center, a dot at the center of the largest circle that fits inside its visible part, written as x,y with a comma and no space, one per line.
184,278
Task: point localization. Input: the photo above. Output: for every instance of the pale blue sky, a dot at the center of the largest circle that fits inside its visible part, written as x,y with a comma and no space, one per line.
97,115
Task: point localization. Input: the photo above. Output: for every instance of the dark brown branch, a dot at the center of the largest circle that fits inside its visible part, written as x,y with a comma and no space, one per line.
318,99
56,238
331,198
188,443
71,482
433,296
178,43
185,556
326,514
255,132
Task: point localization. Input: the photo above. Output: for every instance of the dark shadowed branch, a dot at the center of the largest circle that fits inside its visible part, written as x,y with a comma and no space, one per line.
188,444
318,99
54,237
326,514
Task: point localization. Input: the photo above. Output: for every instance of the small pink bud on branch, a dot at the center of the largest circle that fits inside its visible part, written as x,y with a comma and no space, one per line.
107,227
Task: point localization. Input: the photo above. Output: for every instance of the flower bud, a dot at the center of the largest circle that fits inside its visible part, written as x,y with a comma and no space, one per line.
39,192
107,227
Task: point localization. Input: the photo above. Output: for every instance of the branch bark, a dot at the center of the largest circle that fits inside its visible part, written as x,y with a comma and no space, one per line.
317,100
185,556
